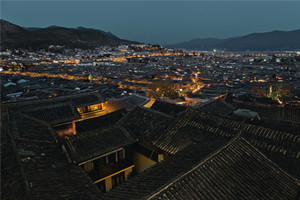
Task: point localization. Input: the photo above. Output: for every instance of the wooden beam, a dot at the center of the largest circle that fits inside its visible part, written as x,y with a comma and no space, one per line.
113,174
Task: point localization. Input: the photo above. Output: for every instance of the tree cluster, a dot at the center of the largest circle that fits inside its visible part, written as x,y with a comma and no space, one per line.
160,89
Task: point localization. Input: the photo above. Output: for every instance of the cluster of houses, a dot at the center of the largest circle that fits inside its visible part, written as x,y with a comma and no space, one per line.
43,74
84,146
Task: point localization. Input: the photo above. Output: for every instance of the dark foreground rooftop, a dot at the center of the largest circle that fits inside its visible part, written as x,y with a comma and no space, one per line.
208,156
236,170
38,169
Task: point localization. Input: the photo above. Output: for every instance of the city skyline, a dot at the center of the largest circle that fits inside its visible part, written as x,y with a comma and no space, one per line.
158,22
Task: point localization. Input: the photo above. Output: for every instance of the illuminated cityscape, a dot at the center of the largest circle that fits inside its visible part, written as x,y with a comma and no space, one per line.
88,115
193,74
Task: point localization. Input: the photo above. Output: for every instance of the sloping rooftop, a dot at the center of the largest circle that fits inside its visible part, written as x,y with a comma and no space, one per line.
289,127
216,107
38,169
146,124
168,108
52,112
49,174
282,148
13,184
285,113
3,124
192,125
160,174
97,142
236,171
100,122
129,102
85,99
39,130
137,99
60,109
249,166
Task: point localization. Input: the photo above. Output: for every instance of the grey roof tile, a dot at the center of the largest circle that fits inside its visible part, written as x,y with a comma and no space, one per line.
237,171
153,178
37,168
217,107
168,108
146,124
94,143
281,147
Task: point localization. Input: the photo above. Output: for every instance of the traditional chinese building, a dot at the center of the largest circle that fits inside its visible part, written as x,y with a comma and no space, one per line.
62,148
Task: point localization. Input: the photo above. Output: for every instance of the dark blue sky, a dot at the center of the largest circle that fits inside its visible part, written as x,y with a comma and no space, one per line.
164,22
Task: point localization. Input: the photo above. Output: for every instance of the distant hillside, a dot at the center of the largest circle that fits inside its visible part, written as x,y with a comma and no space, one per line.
13,36
270,41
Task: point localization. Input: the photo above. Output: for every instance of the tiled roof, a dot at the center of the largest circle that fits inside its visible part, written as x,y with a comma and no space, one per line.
129,102
13,185
100,122
281,147
191,126
3,124
217,107
53,113
160,174
37,168
39,130
60,109
49,174
136,99
85,99
286,113
279,125
289,127
168,108
237,171
92,144
146,124
250,166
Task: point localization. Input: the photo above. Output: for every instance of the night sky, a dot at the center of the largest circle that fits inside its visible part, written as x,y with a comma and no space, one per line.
158,22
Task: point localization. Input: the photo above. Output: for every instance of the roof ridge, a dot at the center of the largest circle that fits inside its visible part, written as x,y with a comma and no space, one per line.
55,104
37,141
210,156
165,186
127,132
273,163
211,101
67,103
259,104
156,112
101,141
67,98
257,130
201,104
227,104
145,109
245,124
178,119
48,125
